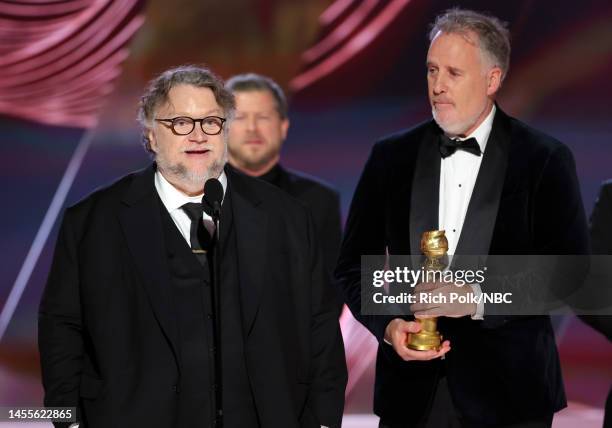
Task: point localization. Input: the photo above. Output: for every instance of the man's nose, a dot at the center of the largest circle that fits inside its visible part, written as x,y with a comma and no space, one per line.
251,124
439,85
197,134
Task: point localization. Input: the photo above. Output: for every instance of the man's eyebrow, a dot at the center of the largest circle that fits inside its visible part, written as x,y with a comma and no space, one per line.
206,114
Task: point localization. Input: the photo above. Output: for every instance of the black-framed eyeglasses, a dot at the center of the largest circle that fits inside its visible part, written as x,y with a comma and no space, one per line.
184,125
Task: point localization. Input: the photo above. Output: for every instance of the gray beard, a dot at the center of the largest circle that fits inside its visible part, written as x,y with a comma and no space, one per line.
459,128
180,172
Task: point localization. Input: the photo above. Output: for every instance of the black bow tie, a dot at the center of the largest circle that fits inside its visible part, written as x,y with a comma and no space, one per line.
449,146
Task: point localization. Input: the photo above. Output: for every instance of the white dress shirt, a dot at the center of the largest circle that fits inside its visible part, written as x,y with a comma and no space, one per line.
173,199
458,174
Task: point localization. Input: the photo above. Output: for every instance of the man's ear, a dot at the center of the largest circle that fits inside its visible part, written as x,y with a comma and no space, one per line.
152,141
284,128
494,80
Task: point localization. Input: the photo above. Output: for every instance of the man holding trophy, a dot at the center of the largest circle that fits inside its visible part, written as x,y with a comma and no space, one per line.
494,186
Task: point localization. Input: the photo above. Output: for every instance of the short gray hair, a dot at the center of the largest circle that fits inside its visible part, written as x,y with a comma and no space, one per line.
157,91
493,34
256,82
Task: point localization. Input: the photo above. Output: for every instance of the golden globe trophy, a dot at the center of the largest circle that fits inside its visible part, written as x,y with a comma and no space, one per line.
434,246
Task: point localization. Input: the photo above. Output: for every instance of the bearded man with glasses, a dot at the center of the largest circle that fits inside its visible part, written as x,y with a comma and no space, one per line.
127,324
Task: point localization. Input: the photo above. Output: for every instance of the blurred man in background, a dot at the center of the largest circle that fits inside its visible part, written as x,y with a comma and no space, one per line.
256,137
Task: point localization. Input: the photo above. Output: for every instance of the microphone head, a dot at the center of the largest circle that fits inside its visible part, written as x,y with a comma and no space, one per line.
213,195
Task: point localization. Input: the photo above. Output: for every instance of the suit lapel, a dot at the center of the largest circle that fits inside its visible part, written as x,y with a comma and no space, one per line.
251,223
142,225
482,210
425,190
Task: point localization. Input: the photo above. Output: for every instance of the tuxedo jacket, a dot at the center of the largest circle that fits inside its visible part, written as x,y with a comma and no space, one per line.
108,335
526,200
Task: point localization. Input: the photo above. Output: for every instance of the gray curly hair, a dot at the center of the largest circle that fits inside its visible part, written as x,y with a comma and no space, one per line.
493,34
157,91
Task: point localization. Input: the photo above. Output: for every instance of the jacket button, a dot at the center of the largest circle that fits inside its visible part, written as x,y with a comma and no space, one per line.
176,388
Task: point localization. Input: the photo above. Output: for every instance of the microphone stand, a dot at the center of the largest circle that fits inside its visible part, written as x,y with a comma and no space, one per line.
216,289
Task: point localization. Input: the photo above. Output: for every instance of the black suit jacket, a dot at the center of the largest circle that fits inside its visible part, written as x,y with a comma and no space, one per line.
108,335
526,200
601,243
324,204
322,200
601,221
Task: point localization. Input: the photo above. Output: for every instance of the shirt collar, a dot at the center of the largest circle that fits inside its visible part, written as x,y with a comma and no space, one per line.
173,198
481,134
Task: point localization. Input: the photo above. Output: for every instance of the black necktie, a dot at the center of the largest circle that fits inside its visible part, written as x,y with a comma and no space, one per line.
449,146
198,235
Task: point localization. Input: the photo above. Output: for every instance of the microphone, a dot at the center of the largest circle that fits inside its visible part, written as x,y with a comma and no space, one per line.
213,195
211,203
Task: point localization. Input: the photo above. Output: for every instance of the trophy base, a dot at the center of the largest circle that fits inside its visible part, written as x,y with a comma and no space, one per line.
424,341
